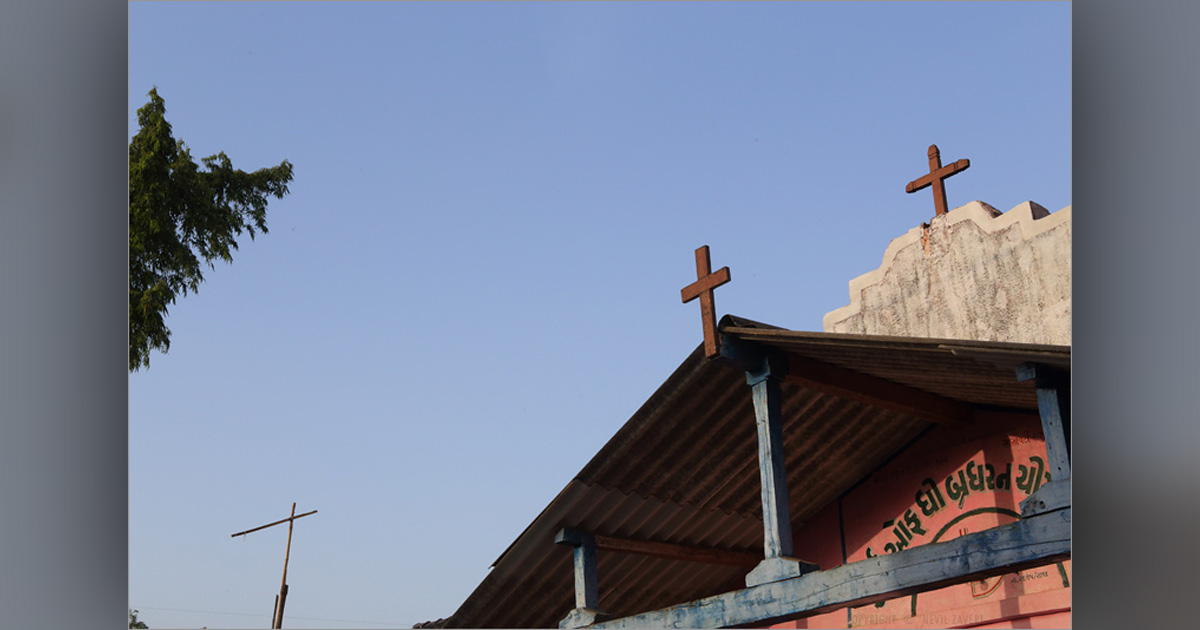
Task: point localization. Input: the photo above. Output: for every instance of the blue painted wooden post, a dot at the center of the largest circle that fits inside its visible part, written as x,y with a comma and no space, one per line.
587,589
1053,394
778,563
768,405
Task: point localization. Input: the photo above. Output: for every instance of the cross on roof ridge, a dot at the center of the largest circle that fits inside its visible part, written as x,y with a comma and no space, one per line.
706,282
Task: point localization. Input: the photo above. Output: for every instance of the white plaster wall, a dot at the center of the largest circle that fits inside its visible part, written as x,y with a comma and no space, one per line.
972,273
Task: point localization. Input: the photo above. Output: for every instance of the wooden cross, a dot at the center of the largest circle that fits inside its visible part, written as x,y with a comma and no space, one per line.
936,178
702,288
281,598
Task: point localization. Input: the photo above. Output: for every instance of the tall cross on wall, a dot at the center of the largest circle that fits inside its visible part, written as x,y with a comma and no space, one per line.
937,177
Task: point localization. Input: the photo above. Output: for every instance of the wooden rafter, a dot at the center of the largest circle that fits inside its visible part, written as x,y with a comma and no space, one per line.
670,551
875,391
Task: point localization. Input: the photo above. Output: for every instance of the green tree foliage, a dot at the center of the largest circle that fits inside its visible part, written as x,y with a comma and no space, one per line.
182,216
133,620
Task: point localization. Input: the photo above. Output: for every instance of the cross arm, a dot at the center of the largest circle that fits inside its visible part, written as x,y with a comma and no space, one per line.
711,281
290,518
946,171
918,184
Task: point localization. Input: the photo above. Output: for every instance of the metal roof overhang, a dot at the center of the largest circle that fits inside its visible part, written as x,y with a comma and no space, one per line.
684,468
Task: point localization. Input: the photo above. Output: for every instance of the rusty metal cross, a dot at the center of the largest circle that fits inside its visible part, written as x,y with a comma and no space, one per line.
702,288
936,178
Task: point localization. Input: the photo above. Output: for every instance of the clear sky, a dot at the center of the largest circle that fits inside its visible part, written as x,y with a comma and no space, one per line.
475,279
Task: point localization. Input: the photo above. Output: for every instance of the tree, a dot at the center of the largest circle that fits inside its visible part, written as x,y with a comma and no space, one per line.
133,620
180,216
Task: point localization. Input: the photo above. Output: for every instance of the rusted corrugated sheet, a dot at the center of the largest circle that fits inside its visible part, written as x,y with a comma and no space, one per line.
684,468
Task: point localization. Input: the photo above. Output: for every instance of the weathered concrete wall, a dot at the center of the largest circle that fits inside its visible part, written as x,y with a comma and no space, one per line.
972,273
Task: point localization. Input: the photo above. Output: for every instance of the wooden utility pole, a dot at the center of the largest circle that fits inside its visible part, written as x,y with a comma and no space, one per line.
281,598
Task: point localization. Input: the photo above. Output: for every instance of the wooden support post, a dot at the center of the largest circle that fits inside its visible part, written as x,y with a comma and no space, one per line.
1054,406
778,563
587,592
283,592
1054,395
768,403
286,555
587,589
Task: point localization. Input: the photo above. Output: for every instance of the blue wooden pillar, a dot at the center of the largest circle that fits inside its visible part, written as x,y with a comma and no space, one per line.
587,589
1054,396
778,563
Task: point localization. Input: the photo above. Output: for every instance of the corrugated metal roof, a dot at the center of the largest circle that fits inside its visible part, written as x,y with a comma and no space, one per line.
684,468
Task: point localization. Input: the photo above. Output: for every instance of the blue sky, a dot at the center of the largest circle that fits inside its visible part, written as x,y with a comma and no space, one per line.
475,279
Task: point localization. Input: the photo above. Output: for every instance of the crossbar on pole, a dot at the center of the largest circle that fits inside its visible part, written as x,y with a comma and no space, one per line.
271,524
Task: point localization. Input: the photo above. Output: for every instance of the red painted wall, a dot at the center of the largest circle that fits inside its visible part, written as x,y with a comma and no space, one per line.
949,483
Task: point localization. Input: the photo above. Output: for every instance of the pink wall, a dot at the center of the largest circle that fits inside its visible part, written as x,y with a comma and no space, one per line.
951,482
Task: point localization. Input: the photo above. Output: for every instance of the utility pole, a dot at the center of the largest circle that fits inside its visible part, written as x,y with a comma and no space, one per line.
281,598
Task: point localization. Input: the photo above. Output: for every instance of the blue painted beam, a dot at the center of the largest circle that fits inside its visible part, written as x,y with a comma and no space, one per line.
1027,543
